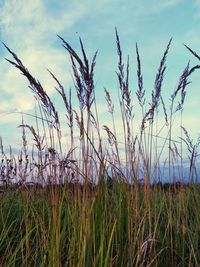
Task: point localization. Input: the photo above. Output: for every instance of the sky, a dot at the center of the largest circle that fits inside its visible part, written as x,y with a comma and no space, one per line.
30,29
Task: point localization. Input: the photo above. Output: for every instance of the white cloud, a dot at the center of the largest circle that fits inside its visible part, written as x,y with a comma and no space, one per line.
28,29
197,9
30,23
197,2
160,5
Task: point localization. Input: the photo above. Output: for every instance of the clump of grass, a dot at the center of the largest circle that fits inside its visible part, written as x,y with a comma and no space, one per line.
84,206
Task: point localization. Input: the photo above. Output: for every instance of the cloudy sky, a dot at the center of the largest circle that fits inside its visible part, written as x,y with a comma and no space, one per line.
30,29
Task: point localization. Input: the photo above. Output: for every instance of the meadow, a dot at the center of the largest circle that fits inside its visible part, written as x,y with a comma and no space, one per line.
82,204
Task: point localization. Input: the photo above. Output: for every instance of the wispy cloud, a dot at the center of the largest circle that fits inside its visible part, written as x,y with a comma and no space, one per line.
160,5
30,23
29,29
197,2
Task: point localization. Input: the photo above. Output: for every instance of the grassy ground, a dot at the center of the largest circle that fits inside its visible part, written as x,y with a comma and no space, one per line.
112,224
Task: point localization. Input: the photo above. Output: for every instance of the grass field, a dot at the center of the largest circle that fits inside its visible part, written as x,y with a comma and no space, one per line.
82,205
110,225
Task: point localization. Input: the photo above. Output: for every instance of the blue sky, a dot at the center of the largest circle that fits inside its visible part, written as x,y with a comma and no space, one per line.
30,27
